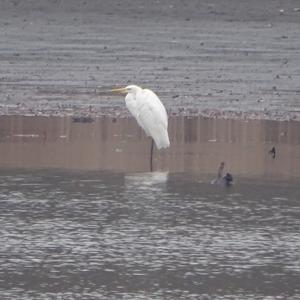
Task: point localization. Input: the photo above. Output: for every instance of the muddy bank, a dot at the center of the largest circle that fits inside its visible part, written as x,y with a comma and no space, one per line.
227,57
118,144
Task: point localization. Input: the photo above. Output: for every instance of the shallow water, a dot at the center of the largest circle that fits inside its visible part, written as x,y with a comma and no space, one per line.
197,145
105,235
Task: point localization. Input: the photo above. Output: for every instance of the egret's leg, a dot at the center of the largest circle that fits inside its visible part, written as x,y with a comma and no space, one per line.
151,155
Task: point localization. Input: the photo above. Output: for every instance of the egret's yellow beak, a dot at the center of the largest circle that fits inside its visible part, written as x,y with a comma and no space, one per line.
121,91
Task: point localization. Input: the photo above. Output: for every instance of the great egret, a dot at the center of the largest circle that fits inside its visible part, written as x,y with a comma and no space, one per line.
149,112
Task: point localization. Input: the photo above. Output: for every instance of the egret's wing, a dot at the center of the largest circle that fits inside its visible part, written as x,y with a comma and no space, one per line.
152,117
151,103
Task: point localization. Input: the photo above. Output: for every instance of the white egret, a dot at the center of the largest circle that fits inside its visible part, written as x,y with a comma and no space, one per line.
149,112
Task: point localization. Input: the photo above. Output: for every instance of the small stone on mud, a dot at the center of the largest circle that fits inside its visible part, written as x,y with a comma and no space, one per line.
83,119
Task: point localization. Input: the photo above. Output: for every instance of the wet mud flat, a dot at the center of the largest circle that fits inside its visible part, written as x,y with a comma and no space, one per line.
198,145
235,56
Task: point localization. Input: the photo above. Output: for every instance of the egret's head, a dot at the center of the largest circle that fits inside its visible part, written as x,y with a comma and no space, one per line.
128,89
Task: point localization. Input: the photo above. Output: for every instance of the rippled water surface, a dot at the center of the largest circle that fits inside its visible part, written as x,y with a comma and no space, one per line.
100,235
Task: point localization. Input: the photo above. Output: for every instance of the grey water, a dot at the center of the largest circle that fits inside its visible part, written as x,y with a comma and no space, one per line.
108,235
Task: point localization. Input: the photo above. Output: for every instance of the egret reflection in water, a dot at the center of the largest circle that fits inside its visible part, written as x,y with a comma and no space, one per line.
141,180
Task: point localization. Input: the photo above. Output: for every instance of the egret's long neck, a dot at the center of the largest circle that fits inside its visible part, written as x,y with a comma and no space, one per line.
133,93
136,90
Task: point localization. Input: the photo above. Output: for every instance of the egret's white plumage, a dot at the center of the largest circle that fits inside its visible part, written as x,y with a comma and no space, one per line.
149,112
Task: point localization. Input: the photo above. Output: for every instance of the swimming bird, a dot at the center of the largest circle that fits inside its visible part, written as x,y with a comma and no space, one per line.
226,180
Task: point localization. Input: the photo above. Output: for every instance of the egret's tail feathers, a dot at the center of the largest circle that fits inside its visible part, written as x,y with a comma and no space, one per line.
162,141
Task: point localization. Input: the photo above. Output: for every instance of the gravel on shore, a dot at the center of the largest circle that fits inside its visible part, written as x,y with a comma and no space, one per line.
230,58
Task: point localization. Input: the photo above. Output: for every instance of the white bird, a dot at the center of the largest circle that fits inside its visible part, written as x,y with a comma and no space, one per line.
149,112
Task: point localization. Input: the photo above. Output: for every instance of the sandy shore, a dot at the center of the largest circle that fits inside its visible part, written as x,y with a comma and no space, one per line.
217,58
